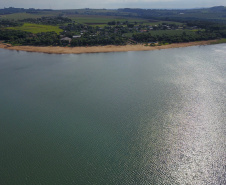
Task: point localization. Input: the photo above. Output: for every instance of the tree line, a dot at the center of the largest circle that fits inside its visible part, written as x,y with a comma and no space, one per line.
177,38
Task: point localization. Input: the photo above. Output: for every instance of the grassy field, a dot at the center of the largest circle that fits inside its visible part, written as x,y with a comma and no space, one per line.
37,28
152,23
103,12
102,21
92,20
20,16
95,20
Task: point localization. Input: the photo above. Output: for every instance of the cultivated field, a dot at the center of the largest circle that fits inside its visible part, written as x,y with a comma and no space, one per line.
101,21
37,28
21,16
79,16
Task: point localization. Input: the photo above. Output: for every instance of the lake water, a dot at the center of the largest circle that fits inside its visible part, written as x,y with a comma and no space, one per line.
147,117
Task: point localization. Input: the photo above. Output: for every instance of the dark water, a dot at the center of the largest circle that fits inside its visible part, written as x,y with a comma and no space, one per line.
154,117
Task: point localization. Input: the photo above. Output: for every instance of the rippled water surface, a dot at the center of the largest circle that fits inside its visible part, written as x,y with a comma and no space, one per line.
152,117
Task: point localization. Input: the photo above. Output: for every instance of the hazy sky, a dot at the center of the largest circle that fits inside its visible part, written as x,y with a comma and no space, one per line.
110,4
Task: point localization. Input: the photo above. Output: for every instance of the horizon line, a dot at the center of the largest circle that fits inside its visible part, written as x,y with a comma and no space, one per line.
117,8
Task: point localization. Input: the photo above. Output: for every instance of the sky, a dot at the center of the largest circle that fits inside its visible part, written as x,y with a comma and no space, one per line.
111,4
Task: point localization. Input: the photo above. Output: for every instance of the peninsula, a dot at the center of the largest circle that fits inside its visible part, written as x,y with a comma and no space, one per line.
92,30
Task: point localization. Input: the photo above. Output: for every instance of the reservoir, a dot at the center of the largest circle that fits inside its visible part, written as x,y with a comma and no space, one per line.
136,118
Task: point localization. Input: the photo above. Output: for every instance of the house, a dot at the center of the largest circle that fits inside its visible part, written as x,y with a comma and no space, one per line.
66,39
76,36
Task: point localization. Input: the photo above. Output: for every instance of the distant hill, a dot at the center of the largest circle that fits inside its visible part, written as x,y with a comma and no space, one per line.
217,13
12,10
214,14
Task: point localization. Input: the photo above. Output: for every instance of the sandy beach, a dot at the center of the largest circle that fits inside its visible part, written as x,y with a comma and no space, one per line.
99,49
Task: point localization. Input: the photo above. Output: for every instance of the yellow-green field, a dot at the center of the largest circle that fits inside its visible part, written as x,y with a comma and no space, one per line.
37,28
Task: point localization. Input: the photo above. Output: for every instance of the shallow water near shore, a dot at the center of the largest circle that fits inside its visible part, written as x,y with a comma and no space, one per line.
145,117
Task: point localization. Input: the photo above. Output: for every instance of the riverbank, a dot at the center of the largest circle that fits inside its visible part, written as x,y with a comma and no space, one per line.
100,49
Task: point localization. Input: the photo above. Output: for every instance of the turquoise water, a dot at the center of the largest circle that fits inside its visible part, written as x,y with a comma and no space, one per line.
147,117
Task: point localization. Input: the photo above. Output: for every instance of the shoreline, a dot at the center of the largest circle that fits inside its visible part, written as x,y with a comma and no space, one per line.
100,49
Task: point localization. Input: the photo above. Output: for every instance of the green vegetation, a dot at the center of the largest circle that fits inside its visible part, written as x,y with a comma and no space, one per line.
208,14
36,28
173,38
214,14
21,16
220,41
102,21
171,33
17,37
153,22
88,27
